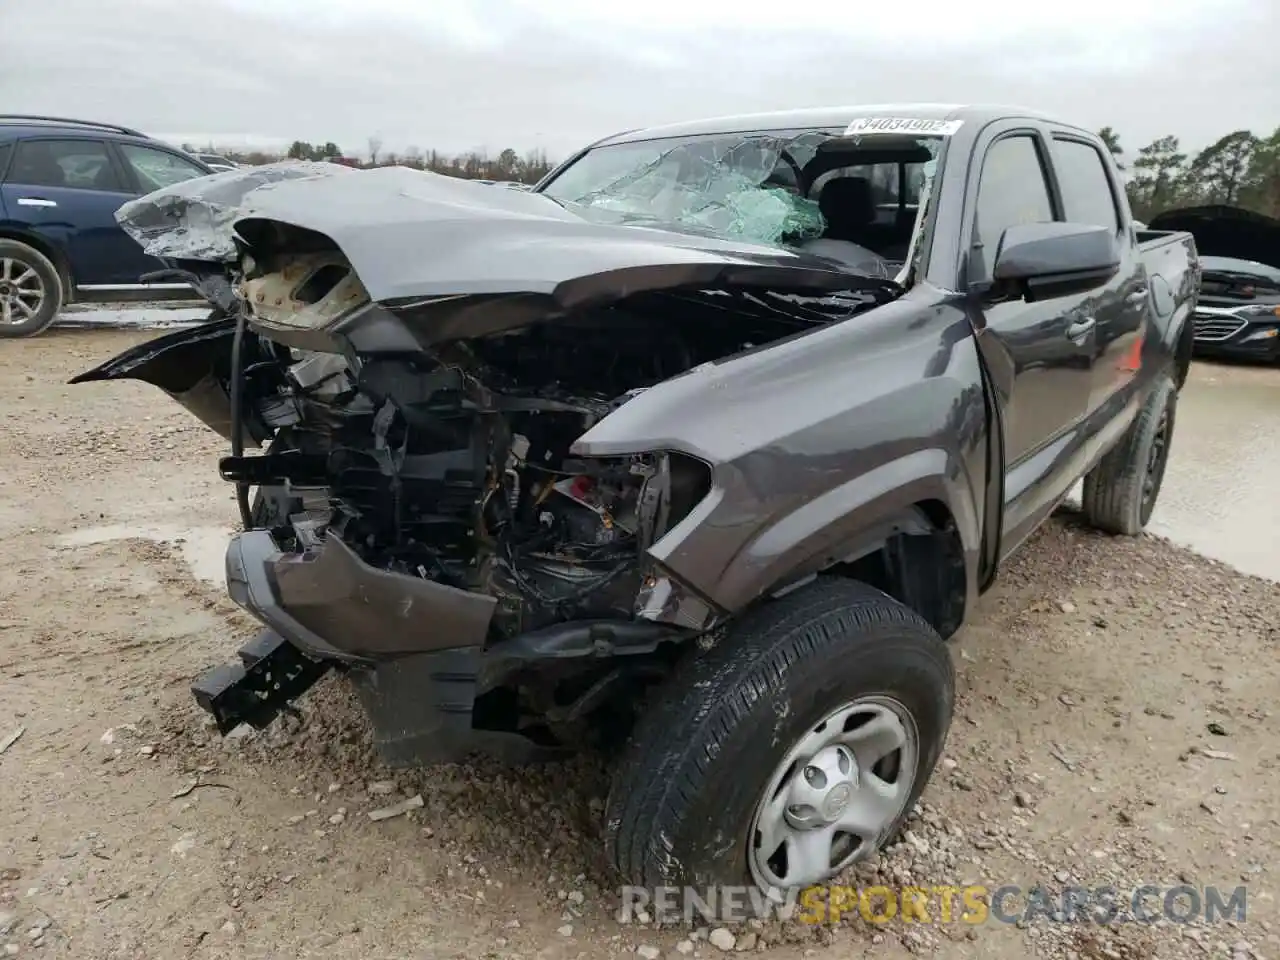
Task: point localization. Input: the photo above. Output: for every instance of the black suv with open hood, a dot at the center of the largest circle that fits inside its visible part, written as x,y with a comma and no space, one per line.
698,451
1238,315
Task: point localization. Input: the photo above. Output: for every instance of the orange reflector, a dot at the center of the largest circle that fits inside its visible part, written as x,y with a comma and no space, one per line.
1131,362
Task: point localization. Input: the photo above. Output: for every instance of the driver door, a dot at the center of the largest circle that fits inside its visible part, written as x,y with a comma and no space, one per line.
1040,354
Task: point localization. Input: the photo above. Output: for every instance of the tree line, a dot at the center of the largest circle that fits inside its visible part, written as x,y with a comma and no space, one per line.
1240,169
508,165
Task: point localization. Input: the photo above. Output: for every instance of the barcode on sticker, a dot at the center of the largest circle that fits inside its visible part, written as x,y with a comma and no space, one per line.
909,125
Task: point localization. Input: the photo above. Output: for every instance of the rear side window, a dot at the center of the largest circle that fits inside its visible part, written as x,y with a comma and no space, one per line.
158,168
81,164
1085,185
1012,190
6,151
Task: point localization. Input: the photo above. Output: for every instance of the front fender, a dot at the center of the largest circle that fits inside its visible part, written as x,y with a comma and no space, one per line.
818,447
848,521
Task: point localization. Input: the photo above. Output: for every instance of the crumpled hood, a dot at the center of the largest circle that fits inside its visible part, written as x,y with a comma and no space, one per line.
194,219
410,234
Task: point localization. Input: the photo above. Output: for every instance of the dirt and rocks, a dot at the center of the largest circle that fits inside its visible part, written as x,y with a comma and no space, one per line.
1115,726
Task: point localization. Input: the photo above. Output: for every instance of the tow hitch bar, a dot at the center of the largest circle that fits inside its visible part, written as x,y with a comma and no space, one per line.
270,674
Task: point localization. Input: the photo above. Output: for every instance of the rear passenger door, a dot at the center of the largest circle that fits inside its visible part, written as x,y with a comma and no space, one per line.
1040,354
66,190
1089,191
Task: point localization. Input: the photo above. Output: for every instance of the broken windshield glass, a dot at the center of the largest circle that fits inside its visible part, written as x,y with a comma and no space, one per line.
737,187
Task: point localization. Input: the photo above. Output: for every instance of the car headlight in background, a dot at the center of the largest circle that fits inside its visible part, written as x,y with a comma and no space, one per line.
1258,310
1261,311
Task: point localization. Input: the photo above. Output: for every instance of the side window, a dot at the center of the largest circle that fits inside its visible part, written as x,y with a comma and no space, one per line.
1012,191
83,164
6,151
158,168
1085,184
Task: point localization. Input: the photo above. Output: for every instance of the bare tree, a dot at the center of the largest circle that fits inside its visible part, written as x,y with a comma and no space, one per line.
375,147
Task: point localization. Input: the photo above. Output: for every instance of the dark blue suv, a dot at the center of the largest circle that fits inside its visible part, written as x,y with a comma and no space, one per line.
61,182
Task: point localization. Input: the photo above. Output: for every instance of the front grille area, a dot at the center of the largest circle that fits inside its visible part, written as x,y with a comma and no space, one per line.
1217,326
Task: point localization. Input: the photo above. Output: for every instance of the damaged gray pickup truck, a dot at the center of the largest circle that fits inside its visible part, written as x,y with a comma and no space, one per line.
697,452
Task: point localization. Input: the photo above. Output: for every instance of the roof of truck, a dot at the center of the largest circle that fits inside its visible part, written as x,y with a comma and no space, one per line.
824,117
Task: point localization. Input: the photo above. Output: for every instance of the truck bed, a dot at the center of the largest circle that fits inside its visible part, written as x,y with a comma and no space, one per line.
1151,239
1172,264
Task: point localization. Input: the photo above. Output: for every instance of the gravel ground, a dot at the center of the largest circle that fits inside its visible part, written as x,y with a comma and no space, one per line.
1114,726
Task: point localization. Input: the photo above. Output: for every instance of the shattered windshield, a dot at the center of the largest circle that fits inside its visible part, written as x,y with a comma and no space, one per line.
762,188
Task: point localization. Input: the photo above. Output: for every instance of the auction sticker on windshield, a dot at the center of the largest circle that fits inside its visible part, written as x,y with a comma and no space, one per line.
916,125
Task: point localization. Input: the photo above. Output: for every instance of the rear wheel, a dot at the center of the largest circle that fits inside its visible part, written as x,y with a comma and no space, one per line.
30,290
1120,493
793,748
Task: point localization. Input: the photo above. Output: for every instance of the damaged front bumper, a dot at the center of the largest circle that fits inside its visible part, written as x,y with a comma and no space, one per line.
414,650
334,606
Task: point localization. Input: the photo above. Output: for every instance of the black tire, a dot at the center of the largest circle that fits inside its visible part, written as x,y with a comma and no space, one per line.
685,793
1121,491
21,258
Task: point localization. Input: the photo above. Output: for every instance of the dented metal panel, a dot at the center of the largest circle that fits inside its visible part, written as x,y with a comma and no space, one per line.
193,220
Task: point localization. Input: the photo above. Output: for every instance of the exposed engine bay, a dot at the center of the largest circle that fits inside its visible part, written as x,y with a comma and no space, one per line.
452,464
506,468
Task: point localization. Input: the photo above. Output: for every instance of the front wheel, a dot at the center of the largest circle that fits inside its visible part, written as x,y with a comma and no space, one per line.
1120,493
793,748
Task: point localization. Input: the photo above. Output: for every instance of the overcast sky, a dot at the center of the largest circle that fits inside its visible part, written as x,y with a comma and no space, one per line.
557,73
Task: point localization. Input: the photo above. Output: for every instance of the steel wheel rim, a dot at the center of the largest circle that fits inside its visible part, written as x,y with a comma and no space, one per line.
834,796
22,292
1156,458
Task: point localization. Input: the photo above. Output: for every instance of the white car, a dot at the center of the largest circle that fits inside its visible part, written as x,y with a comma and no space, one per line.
215,162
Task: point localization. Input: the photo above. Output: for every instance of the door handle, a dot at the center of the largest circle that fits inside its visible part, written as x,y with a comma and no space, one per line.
1081,329
36,202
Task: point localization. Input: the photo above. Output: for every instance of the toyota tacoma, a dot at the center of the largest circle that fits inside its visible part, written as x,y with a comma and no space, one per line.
698,452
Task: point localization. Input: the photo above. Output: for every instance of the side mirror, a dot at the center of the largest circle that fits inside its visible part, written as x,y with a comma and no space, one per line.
1054,259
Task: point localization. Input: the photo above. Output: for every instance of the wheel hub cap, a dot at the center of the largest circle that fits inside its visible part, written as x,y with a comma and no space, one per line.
22,292
837,800
822,791
835,795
